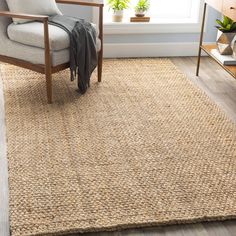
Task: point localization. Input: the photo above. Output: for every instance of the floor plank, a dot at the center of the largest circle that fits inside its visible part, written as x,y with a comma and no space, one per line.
221,88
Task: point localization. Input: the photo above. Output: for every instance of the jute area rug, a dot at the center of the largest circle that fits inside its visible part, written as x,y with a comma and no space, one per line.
145,147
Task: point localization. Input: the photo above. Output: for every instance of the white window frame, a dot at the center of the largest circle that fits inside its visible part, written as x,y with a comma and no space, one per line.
151,27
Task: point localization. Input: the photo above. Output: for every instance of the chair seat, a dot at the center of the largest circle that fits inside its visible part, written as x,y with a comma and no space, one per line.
32,34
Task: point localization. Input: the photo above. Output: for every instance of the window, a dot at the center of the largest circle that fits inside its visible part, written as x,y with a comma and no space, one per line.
167,16
165,11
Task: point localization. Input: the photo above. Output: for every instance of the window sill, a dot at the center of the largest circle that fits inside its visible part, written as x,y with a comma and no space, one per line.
150,27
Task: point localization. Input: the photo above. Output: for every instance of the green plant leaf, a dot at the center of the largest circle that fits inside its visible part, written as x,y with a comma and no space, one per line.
219,22
225,21
233,26
228,25
142,5
118,4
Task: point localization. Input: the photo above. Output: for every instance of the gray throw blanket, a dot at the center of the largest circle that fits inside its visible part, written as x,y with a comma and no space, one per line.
83,53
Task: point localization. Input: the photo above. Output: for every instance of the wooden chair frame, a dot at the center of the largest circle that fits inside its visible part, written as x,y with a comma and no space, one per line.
47,68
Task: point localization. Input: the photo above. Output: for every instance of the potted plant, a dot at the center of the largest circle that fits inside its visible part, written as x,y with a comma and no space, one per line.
225,36
118,7
142,7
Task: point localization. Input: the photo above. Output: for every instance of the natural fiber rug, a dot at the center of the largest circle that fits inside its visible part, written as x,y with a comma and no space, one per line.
145,147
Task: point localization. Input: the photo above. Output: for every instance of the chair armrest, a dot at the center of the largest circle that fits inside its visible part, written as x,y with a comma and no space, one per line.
24,16
80,2
44,20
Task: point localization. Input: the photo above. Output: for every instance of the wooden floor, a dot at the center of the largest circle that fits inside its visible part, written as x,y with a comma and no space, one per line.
219,86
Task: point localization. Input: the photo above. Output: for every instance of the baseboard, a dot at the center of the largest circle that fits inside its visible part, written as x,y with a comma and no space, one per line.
117,50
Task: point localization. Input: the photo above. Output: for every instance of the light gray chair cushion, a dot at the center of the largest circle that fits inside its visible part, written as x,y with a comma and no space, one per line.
32,34
32,54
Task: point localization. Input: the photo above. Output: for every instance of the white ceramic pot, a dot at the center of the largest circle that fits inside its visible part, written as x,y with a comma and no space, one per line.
140,13
117,15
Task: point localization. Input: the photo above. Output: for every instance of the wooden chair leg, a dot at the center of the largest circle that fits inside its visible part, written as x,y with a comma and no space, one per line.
49,86
100,59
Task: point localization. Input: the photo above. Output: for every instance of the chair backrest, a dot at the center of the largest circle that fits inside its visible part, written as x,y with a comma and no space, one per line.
4,21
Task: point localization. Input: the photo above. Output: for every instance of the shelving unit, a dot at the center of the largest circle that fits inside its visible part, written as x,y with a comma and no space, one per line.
228,8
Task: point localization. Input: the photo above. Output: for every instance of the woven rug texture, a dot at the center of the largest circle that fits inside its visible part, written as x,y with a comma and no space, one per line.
145,147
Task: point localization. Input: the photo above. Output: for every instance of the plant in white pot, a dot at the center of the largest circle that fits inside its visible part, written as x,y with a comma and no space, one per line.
142,7
118,7
225,36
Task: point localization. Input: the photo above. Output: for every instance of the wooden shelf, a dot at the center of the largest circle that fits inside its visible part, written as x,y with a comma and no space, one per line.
230,69
227,8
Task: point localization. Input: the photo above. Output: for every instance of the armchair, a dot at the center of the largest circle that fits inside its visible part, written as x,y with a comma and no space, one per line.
44,59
